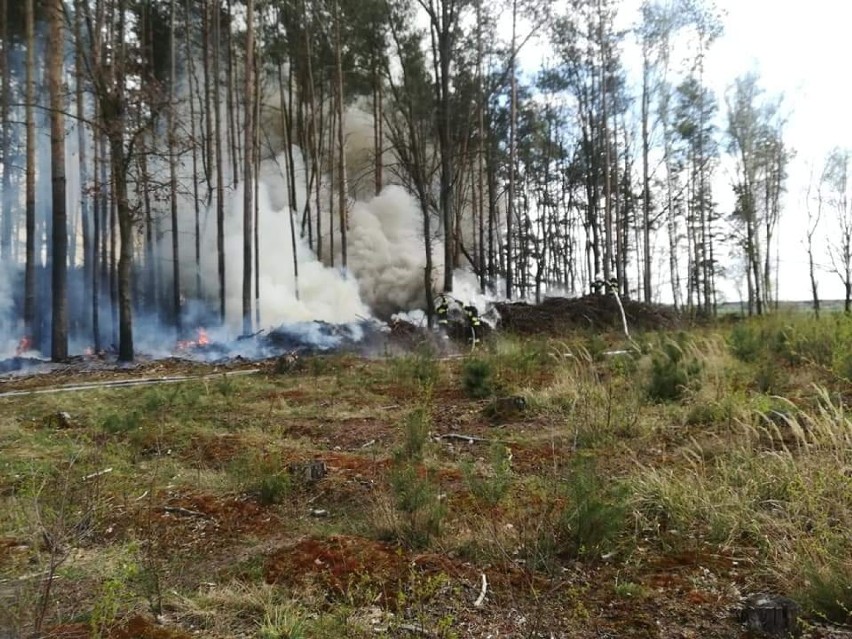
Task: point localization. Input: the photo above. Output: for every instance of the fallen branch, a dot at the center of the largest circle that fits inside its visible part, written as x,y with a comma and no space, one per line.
465,438
126,383
415,629
185,512
481,598
97,474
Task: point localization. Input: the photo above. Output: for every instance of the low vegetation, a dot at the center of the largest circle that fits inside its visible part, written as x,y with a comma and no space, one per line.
531,488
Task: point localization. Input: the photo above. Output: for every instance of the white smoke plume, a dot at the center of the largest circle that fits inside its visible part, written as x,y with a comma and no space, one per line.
320,293
8,325
385,248
387,252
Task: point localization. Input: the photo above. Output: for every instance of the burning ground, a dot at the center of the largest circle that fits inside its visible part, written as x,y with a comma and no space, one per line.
332,495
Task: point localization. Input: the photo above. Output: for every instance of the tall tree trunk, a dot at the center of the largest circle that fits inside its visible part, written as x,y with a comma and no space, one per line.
607,153
82,143
125,255
220,180
248,173
445,24
96,239
191,86
176,294
378,135
232,111
510,204
5,141
209,78
59,244
480,151
341,152
646,181
30,201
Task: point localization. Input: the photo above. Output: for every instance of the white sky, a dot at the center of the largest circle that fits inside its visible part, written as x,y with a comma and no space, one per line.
801,49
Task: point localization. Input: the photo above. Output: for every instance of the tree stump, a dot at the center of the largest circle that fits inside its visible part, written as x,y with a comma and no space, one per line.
771,615
309,472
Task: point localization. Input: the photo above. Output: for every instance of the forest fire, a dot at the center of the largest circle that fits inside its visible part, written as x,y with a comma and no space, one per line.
25,345
201,339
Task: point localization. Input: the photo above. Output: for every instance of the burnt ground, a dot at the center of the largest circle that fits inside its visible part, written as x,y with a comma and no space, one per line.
190,502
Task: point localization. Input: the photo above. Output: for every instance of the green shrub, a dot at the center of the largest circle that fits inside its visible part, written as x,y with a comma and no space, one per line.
596,511
415,434
828,590
417,501
263,477
272,488
491,489
583,515
745,342
672,373
420,369
478,378
705,413
121,423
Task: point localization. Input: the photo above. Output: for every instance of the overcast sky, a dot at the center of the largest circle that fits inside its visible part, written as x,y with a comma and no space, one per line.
801,49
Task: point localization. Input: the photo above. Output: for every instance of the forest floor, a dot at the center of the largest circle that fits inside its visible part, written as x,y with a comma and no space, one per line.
338,496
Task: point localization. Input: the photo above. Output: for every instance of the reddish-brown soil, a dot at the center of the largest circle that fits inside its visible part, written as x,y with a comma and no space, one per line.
337,563
136,627
677,595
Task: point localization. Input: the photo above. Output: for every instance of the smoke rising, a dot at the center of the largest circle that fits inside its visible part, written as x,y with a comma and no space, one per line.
319,293
8,324
385,246
387,253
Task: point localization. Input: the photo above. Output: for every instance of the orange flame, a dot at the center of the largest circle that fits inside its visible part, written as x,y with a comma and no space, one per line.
202,339
24,345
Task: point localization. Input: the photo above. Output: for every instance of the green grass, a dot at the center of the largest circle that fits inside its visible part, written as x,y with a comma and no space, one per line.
721,442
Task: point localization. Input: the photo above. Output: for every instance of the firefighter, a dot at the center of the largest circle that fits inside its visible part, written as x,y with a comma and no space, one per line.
473,321
442,311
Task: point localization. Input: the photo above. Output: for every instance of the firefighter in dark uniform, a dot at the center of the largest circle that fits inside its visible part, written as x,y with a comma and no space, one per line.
472,315
442,311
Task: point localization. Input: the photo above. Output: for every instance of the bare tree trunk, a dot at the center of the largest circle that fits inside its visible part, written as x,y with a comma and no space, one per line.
30,202
607,266
378,134
5,142
59,244
82,143
256,160
191,84
341,152
176,294
248,173
480,138
96,238
220,186
513,117
332,119
232,111
207,139
646,182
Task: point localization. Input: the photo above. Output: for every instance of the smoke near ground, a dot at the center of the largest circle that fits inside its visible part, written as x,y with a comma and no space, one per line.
386,262
8,342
